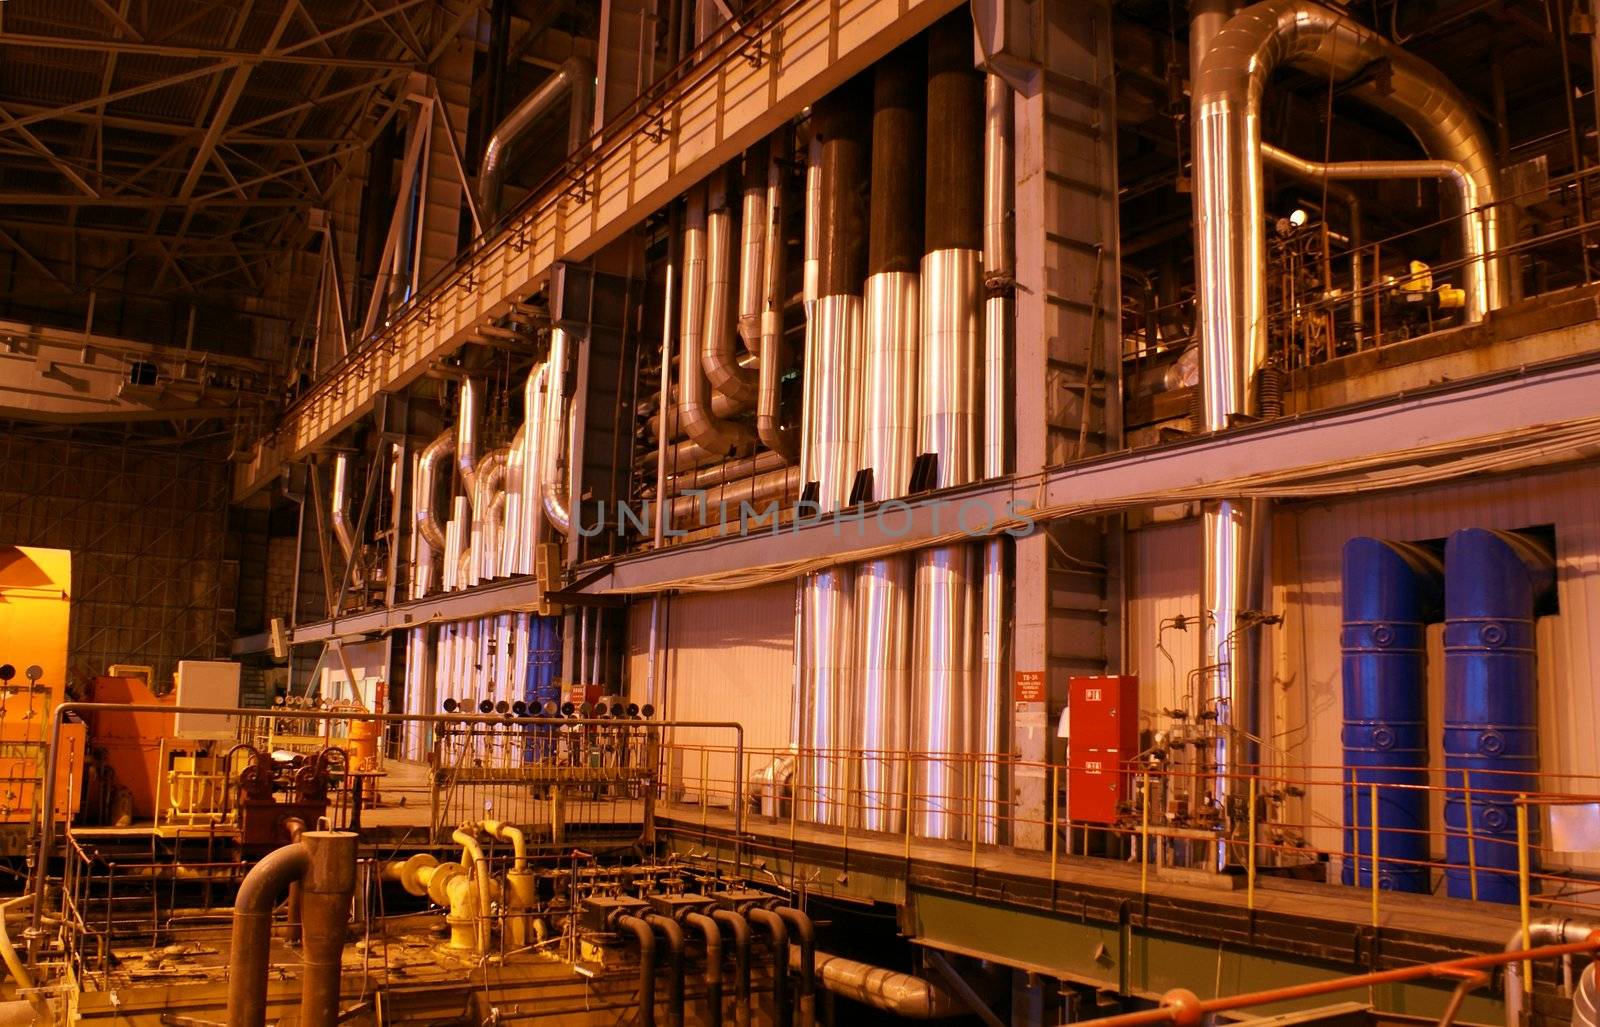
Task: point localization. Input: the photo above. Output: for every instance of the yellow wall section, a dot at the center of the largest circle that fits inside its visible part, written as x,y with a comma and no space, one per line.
35,597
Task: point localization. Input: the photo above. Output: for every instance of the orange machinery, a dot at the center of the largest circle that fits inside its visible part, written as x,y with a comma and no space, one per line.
128,746
35,601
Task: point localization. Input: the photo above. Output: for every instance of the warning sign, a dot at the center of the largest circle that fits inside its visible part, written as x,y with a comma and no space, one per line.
1030,686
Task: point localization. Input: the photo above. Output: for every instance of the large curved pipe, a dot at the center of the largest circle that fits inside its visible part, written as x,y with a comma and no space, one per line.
754,243
250,944
467,415
473,859
673,933
805,933
739,927
555,476
487,502
1548,931
904,995
511,534
574,78
712,433
437,451
779,931
719,356
646,937
713,937
339,514
774,355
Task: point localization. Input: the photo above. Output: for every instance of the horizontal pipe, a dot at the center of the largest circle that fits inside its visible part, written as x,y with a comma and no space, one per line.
901,994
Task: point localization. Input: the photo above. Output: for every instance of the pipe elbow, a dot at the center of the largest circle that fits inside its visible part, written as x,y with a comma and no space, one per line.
437,451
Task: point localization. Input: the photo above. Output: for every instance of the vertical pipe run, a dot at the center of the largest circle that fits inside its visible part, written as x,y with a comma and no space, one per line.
1494,583
754,243
739,927
339,515
715,436
712,932
467,417
325,895
949,381
556,474
775,926
833,450
674,935
646,938
774,356
994,728
1391,591
719,353
889,429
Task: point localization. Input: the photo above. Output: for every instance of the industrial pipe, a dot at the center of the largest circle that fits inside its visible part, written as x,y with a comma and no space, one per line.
534,395
555,476
1542,932
339,514
713,938
520,884
440,449
889,427
713,434
488,491
754,245
773,355
718,354
1308,171
945,615
511,540
673,933
1494,584
805,933
324,861
575,78
900,994
739,927
19,973
293,930
779,931
472,858
1391,592
468,413
646,937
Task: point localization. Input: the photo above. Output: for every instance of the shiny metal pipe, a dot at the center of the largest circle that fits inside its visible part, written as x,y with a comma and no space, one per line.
774,355
420,695
835,428
487,487
339,515
884,587
469,412
719,356
575,78
713,434
949,382
993,728
901,994
555,477
533,404
753,250
1306,171
1231,586
721,406
511,517
722,473
827,606
755,489
433,456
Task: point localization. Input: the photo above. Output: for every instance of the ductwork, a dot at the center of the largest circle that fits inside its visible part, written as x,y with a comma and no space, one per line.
555,475
993,734
889,429
339,514
575,78
719,357
434,455
468,413
945,636
713,434
774,356
324,862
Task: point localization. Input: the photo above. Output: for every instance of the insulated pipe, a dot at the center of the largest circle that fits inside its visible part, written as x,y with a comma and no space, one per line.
833,443
754,245
901,994
773,356
468,413
437,451
993,734
719,356
721,406
674,935
1308,171
806,934
1541,933
727,471
533,405
889,428
739,927
1392,590
339,514
704,428
575,78
511,540
647,967
780,962
945,625
713,936
487,491
723,501
555,476
1494,584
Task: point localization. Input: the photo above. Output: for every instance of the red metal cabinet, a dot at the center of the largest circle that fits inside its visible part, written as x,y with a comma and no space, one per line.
1102,735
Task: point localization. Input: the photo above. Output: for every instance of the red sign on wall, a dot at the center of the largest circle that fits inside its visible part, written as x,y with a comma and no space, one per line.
1030,686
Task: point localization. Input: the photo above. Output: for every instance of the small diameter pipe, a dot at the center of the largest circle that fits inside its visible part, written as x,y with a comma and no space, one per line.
805,933
674,935
647,967
713,936
780,962
739,927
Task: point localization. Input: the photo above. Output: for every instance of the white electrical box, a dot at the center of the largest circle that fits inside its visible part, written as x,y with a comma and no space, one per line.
207,683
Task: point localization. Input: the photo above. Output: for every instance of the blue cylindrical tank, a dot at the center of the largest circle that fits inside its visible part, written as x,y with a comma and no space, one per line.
543,687
1494,581
1391,592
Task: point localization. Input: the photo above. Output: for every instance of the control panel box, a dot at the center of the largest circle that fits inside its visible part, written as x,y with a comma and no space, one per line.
213,683
1103,739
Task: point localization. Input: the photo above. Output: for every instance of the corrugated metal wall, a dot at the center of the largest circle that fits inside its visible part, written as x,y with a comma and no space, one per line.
728,656
1304,708
147,529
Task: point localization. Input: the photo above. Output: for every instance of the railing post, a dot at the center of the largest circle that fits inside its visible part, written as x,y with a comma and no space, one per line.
910,805
1372,859
1472,843
1144,832
1523,888
1250,859
1055,824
